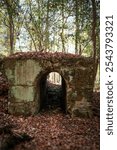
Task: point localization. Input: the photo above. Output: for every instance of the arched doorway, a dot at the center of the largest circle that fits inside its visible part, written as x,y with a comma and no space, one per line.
52,89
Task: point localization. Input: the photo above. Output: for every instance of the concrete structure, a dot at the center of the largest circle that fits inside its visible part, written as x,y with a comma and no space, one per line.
27,74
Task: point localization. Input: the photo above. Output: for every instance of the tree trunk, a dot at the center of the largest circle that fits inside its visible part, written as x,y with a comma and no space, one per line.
11,31
47,27
10,12
94,35
31,36
94,28
62,32
77,27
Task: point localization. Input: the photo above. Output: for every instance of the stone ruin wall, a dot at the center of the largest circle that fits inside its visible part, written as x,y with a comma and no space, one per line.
25,73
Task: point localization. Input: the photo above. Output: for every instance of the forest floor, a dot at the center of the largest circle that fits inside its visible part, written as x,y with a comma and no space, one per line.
49,130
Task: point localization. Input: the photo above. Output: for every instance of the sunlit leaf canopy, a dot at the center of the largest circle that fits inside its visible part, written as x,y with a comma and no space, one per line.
48,25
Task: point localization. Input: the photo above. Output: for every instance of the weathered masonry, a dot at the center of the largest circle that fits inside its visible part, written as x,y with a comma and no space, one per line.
27,74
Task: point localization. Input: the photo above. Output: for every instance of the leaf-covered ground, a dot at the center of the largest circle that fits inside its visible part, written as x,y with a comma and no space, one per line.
53,130
50,130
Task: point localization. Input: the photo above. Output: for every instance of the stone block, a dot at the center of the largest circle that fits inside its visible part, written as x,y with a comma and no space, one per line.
22,93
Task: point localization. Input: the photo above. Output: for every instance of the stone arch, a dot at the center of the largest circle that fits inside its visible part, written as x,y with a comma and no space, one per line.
41,87
24,74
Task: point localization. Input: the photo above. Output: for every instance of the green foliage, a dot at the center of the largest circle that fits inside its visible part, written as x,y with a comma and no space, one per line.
49,25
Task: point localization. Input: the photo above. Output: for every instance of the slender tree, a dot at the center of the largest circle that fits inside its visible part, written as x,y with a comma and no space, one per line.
11,7
94,28
77,26
63,24
47,26
94,35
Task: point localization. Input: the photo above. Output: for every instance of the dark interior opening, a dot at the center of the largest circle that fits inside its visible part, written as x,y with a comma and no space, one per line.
52,95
